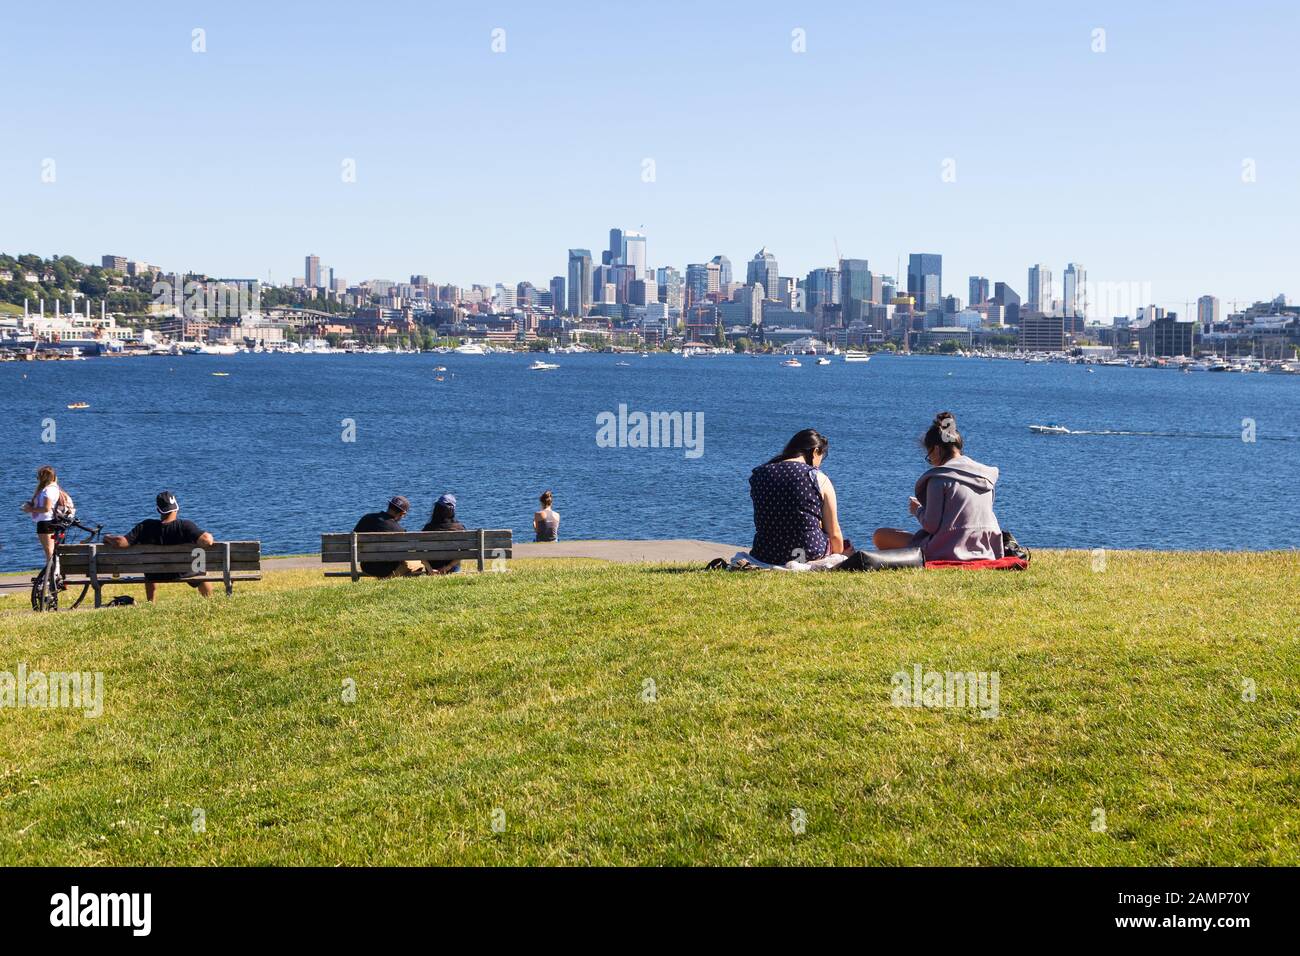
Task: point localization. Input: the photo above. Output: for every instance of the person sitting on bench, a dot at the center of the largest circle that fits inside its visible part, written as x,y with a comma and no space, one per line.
388,520
443,519
166,529
953,501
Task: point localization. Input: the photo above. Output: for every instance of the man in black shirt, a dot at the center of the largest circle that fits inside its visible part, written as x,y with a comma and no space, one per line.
390,520
167,528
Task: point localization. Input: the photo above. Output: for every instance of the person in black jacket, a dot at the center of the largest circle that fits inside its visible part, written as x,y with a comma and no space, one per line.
388,520
443,519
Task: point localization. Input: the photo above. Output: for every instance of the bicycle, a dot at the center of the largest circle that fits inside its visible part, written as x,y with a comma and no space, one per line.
48,583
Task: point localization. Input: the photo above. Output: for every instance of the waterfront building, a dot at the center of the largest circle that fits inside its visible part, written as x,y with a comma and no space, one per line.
1041,333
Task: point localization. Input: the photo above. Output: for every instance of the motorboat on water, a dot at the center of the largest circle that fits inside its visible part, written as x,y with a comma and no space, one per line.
540,366
623,364
854,355
792,363
80,405
823,361
469,348
1052,429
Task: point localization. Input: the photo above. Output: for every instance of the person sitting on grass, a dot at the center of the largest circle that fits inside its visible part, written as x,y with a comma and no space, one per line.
389,519
546,522
167,529
953,501
795,512
443,519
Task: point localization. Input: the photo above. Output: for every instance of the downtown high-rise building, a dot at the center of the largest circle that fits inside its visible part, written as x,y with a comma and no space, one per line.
1207,312
1074,292
672,289
724,270
821,288
1039,296
613,256
979,290
763,271
855,289
702,279
580,277
634,254
557,294
311,272
925,279
1009,299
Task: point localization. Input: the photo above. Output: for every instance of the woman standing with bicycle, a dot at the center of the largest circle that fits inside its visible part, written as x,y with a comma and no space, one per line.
46,501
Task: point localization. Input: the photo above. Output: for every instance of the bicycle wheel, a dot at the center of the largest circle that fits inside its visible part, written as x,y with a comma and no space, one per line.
45,593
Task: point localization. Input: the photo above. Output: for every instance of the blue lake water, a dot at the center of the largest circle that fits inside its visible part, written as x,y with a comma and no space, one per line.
259,453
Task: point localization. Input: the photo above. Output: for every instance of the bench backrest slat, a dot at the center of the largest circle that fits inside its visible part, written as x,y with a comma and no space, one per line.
159,559
436,546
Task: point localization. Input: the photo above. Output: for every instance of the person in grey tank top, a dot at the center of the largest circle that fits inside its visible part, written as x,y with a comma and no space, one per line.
546,523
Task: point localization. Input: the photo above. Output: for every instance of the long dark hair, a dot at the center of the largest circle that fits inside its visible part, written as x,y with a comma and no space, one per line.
804,445
943,433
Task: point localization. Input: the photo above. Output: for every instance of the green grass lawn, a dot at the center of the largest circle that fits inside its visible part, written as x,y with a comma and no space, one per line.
525,692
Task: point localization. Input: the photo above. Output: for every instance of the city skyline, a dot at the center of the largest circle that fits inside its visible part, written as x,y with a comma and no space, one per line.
1023,143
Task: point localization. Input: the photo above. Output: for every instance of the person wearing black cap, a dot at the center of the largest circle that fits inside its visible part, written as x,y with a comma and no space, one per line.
443,519
388,520
167,528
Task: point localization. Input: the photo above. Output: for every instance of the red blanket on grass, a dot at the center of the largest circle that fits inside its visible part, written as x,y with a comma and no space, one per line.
985,564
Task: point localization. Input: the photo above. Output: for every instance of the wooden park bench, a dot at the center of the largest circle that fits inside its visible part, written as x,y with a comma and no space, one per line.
100,566
439,547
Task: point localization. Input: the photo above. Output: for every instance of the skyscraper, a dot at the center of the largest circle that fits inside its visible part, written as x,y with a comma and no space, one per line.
1009,299
613,256
634,253
763,271
311,273
579,282
1039,297
702,278
557,294
1207,311
979,290
925,279
821,288
724,270
1074,294
855,288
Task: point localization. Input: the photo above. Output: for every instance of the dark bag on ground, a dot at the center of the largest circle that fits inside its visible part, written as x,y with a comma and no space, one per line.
1013,548
883,560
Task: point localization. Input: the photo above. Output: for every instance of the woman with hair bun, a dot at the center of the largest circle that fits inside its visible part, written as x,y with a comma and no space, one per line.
953,501
546,521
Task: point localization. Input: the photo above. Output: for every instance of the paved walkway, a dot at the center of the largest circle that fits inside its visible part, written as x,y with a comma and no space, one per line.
674,551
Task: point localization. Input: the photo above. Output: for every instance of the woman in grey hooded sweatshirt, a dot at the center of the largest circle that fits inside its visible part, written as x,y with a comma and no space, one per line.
953,502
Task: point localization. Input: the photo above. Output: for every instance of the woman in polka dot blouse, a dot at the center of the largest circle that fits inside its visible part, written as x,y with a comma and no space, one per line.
794,504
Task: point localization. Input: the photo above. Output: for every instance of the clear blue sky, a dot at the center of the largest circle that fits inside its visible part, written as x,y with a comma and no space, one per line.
474,166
